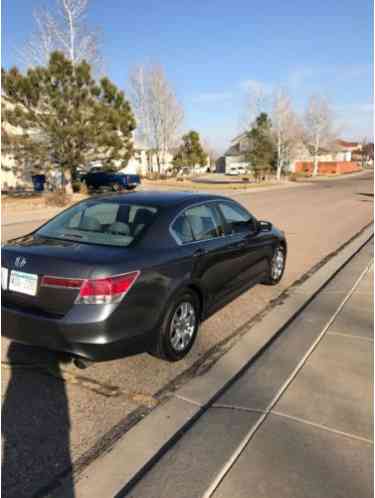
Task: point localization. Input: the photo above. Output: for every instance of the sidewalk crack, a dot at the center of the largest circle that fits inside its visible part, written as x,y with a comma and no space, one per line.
322,426
238,407
187,400
352,336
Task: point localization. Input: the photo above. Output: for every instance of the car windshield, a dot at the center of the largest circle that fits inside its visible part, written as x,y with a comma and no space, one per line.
104,223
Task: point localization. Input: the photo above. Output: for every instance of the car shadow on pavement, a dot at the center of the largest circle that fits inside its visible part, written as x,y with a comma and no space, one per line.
35,423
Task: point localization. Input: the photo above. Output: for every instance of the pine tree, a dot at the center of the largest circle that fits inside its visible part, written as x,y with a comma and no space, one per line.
67,118
190,152
262,153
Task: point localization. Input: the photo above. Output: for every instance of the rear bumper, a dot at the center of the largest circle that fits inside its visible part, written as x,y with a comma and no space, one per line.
95,341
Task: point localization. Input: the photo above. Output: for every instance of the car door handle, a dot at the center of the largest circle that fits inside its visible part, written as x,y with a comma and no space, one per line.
198,253
242,244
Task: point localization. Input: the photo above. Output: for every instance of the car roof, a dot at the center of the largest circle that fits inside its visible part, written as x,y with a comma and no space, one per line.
159,198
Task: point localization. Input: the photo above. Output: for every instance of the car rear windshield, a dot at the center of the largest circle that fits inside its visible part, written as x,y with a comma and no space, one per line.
104,223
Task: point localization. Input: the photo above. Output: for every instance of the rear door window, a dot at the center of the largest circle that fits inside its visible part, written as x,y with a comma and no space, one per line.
204,222
181,230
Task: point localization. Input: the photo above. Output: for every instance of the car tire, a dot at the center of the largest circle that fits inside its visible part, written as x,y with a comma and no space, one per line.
116,187
177,333
276,266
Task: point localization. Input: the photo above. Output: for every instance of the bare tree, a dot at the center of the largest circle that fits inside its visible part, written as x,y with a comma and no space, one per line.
158,112
63,29
211,152
366,153
257,100
285,127
318,126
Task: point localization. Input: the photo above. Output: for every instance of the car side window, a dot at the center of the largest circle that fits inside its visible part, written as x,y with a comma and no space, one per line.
182,230
203,222
237,219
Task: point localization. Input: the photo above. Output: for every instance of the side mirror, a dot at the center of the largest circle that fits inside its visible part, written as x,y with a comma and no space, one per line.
264,226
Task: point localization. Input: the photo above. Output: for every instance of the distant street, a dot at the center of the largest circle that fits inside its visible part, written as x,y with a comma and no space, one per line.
53,424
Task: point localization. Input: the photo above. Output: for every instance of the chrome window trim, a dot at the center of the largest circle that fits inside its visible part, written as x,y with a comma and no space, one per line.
184,244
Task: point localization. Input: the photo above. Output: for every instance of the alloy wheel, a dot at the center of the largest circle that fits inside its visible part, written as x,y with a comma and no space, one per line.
277,265
182,326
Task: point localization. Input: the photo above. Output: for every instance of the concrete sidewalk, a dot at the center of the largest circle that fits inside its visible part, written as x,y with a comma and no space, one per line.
318,437
298,422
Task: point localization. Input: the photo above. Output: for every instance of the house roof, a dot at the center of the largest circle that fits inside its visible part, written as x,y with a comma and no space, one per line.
345,144
239,137
233,151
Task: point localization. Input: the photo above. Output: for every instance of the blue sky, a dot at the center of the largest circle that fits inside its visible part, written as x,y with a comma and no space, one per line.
211,49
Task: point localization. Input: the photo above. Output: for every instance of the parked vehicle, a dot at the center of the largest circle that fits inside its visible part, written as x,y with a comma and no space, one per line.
232,171
98,178
117,275
236,169
184,173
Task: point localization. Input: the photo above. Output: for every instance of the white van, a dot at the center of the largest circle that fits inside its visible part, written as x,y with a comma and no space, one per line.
232,171
236,170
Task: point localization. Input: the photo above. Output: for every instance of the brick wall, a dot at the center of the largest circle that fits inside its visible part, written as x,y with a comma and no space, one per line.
328,168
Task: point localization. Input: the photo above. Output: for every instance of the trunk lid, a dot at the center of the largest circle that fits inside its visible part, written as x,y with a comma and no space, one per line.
57,258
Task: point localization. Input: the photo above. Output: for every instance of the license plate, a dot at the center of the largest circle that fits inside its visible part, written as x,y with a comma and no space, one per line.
25,283
4,278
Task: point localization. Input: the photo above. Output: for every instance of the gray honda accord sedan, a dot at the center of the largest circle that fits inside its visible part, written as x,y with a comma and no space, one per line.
127,273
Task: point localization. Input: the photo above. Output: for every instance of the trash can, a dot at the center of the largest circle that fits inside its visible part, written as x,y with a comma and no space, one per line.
38,182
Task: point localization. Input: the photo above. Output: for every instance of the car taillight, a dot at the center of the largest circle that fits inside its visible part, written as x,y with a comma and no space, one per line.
62,283
108,290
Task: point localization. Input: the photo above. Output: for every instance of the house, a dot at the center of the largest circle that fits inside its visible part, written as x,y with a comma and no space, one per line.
144,160
343,145
341,158
12,175
235,155
15,176
368,155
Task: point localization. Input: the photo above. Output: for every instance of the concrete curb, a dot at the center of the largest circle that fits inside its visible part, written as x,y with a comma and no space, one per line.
114,472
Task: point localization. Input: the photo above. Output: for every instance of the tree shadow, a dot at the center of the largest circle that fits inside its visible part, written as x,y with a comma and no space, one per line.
35,424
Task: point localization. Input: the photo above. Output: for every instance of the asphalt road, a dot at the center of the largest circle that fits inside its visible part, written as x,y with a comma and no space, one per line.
53,423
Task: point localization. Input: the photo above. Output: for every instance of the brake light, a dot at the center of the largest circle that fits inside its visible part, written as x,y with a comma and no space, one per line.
67,283
108,290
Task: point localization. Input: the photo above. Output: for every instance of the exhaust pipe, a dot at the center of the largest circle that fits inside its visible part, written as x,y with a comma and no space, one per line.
82,363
